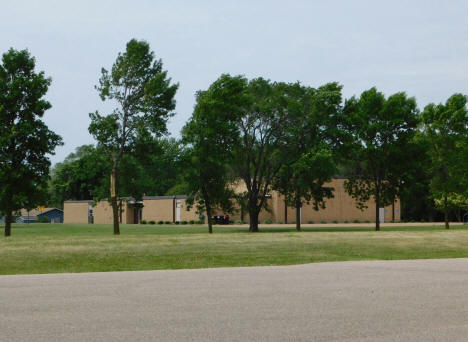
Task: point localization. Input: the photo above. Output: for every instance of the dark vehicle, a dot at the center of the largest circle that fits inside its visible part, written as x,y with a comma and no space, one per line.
219,219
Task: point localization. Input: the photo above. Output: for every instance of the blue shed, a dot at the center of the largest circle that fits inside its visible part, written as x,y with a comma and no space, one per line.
53,215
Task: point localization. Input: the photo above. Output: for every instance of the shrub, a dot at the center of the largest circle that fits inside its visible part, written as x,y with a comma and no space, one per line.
323,221
356,221
367,221
184,222
346,221
335,221
167,222
160,222
310,222
43,219
143,222
199,222
152,222
279,222
177,222
192,221
239,222
267,222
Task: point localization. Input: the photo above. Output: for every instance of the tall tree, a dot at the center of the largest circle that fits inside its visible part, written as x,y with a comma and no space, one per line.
25,140
446,126
262,145
381,130
145,98
210,136
311,161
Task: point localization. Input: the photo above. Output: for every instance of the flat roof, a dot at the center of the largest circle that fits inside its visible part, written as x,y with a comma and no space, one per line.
79,201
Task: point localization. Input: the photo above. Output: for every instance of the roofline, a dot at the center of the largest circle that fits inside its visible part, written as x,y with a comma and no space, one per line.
164,197
46,211
79,201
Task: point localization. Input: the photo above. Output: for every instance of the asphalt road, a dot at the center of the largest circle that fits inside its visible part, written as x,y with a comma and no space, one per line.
419,300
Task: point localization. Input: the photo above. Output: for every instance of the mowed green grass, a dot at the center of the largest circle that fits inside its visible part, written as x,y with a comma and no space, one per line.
49,248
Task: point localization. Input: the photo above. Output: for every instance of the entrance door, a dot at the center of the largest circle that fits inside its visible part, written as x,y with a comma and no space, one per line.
178,206
382,215
136,215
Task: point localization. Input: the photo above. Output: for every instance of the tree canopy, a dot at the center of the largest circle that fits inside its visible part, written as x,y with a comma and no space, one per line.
25,140
310,164
145,98
446,127
210,135
380,130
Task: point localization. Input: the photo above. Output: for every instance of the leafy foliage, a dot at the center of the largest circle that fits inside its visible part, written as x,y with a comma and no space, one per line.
311,163
81,176
210,136
145,98
25,140
446,127
380,131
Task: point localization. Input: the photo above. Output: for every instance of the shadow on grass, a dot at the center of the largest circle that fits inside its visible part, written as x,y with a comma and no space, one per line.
71,230
335,229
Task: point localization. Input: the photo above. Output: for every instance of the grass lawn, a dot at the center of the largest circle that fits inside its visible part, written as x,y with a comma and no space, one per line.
56,248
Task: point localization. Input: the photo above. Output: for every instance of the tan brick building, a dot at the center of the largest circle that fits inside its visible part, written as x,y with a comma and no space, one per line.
77,211
151,208
341,208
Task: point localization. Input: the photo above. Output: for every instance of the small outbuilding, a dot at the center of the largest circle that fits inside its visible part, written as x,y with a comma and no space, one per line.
51,215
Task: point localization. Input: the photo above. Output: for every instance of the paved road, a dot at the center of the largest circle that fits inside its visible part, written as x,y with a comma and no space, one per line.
425,300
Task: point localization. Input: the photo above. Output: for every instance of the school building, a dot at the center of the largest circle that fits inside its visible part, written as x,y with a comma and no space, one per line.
340,208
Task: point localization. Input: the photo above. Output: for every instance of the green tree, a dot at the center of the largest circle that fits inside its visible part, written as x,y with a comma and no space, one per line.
145,98
151,167
209,136
25,140
157,166
81,176
381,130
311,161
262,147
415,197
446,127
457,202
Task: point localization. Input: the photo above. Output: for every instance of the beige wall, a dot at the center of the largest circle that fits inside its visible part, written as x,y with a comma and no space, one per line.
162,210
340,208
157,209
103,213
75,211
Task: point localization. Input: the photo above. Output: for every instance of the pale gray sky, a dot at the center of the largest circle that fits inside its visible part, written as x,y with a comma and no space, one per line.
420,47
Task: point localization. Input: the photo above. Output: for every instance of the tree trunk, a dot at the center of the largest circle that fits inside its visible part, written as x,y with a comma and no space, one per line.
458,214
285,212
113,197
446,212
377,207
298,215
8,219
210,223
253,227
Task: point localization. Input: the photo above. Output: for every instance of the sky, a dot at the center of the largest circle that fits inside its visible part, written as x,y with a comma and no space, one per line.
419,47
